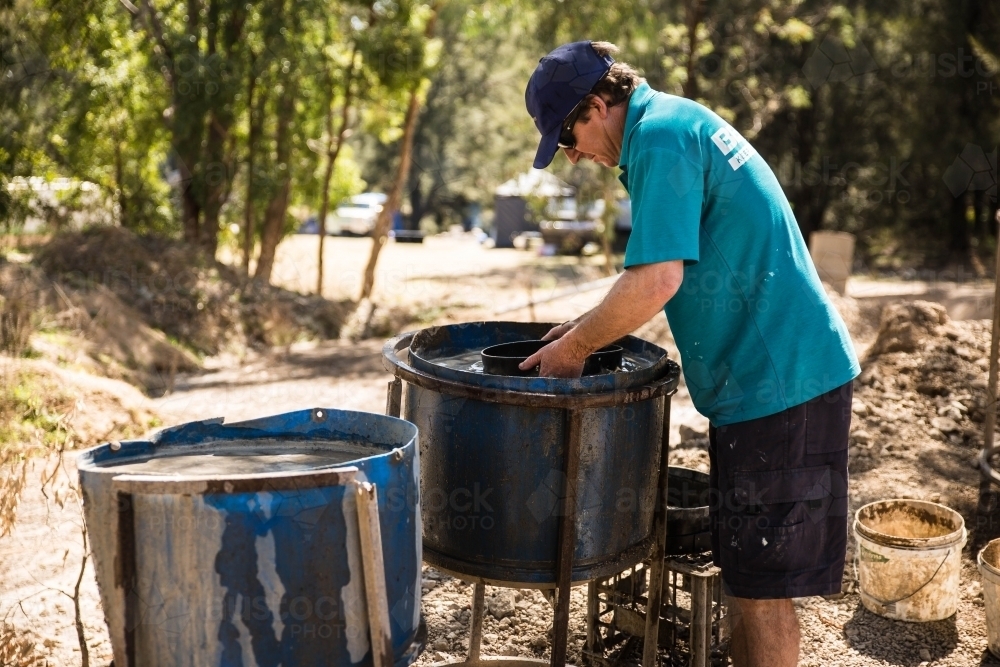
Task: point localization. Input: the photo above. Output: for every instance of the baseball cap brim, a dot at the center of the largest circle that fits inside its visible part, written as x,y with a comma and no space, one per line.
547,148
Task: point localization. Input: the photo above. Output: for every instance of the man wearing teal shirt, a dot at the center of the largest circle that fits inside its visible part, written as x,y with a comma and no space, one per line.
766,357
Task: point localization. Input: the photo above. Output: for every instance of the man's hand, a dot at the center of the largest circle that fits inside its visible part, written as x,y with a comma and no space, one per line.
558,359
636,296
559,331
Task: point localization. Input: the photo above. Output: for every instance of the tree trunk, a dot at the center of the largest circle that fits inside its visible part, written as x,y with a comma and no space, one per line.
274,222
120,185
218,167
395,195
188,123
610,214
217,174
405,156
252,137
332,151
695,14
274,216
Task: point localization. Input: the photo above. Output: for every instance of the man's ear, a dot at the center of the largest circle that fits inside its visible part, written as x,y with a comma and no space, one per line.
598,103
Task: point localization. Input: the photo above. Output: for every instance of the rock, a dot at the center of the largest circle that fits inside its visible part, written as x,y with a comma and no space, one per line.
861,436
508,650
539,642
950,411
905,327
490,637
924,654
441,645
870,375
944,424
688,433
505,623
501,604
935,433
858,407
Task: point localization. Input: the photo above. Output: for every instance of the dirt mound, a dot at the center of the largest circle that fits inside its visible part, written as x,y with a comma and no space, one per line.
906,327
205,305
45,408
923,378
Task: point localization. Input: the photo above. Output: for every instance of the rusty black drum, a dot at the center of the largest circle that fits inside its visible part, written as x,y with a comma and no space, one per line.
493,454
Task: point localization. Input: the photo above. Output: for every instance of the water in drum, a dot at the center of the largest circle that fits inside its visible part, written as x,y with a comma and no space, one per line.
243,457
471,362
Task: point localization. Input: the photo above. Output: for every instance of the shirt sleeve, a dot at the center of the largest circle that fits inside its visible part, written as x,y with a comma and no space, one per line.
667,189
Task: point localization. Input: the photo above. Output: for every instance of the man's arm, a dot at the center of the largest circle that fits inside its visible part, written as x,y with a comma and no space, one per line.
638,295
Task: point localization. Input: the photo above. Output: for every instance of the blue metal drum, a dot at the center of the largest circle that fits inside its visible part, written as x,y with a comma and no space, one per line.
494,455
238,544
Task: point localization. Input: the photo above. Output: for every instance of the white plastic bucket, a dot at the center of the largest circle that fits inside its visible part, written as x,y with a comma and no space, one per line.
989,568
909,559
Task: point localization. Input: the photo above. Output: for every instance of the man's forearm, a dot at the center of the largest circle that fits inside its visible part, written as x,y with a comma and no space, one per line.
635,298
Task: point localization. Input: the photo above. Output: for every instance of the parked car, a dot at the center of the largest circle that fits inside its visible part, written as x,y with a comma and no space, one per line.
357,216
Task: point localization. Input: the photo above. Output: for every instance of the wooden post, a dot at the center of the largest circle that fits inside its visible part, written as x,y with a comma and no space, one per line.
593,615
655,597
476,625
567,539
701,620
394,398
986,507
375,593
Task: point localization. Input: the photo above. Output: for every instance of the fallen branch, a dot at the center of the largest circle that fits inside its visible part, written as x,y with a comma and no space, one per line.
80,635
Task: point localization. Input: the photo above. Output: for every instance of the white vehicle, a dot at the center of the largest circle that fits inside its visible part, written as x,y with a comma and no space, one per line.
357,216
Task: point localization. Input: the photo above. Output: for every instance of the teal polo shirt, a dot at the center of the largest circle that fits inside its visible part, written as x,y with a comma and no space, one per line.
753,324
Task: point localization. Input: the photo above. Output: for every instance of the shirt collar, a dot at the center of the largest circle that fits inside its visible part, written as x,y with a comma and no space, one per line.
636,108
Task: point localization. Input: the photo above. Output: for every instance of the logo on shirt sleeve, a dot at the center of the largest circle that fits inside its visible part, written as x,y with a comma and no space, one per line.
726,139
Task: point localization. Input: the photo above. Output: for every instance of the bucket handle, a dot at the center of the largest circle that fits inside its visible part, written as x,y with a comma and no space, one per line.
891,603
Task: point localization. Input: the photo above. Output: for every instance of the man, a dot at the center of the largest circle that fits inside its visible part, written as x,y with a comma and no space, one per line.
766,357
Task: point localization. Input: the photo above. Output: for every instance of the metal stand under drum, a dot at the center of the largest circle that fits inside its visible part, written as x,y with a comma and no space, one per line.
692,630
574,407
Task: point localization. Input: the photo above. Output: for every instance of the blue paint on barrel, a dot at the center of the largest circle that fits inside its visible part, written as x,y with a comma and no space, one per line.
267,576
493,479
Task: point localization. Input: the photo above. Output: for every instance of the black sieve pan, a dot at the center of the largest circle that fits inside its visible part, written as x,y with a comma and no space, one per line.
505,358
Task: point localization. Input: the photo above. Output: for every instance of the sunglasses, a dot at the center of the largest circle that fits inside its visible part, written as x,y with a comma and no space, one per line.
566,138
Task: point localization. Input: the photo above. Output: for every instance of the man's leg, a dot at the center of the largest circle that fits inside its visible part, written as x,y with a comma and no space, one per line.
765,633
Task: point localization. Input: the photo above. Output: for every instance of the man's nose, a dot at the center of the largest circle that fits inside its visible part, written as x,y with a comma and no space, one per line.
572,154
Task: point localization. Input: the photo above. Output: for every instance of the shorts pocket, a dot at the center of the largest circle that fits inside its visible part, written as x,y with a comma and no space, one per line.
781,520
828,421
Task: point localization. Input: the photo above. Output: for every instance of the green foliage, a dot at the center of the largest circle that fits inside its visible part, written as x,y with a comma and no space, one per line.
861,107
864,108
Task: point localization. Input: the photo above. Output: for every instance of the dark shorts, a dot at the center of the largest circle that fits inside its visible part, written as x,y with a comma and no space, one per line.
779,510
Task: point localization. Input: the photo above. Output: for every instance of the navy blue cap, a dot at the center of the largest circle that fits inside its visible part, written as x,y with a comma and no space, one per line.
562,79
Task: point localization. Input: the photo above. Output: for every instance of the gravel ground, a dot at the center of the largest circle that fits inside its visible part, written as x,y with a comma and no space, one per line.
905,459
839,633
